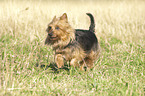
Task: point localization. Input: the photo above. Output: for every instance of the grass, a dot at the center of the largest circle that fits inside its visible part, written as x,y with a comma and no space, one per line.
25,67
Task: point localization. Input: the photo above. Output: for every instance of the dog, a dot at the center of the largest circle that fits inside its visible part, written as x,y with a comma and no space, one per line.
80,47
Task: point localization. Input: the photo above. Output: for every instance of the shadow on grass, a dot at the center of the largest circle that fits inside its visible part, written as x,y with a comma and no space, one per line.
53,67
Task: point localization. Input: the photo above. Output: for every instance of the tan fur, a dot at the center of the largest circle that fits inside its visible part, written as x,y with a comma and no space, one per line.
63,33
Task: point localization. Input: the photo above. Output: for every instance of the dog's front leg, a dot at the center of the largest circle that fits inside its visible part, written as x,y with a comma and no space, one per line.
59,60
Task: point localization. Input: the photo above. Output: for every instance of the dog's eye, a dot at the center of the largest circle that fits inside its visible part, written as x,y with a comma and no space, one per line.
57,28
49,27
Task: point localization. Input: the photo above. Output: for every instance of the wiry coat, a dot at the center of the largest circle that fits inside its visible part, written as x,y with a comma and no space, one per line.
79,47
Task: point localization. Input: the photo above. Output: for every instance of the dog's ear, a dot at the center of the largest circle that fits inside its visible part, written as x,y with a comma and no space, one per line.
54,18
64,17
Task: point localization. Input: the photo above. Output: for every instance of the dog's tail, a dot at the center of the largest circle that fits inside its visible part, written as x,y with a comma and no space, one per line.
92,25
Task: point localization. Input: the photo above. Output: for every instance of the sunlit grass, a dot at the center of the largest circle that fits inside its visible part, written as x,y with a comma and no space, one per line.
120,28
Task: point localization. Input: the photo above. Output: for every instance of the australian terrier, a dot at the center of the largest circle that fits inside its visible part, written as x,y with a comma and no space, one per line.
79,47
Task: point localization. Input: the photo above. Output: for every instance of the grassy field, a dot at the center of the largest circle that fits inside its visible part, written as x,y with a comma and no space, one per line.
25,67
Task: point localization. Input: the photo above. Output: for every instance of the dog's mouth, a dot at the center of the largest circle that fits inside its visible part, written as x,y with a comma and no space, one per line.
53,38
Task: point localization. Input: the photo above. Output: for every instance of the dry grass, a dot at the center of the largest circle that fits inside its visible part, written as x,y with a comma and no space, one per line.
120,27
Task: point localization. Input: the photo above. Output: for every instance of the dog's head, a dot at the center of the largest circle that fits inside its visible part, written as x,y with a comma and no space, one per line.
59,30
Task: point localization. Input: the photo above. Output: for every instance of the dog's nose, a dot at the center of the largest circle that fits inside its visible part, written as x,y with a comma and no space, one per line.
50,34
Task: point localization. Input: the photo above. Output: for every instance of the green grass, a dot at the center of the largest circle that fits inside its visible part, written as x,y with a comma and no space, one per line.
25,63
